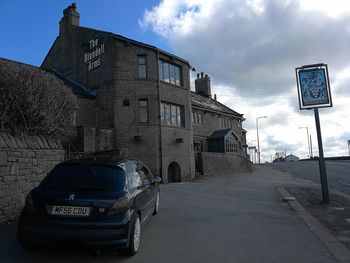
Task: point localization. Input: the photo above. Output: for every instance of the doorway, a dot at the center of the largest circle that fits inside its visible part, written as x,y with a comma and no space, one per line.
174,173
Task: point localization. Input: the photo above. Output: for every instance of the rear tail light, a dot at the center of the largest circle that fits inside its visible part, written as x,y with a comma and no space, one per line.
29,205
122,205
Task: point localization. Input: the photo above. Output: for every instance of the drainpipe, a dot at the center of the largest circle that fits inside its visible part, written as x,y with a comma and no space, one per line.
159,119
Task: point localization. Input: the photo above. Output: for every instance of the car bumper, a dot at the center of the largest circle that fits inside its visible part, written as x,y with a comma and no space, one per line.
93,234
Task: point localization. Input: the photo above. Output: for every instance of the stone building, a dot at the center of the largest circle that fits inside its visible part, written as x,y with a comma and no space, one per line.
216,128
135,99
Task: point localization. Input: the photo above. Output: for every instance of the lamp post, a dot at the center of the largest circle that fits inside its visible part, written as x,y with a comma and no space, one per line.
257,135
253,155
308,139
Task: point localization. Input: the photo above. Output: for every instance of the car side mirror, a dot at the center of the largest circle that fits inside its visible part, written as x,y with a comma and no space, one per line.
157,180
145,183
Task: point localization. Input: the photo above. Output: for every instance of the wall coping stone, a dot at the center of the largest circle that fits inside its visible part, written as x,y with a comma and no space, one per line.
2,142
10,141
7,140
40,143
43,139
13,140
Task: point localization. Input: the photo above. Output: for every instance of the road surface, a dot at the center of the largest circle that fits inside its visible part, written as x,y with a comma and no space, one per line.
338,172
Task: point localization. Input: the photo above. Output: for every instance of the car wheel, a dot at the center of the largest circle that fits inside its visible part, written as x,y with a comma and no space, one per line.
156,206
135,238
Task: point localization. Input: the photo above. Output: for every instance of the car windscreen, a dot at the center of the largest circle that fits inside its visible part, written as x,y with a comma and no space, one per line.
84,178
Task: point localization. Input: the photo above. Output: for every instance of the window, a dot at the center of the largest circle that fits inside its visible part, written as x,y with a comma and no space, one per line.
84,177
142,63
226,123
126,103
134,179
198,118
231,146
169,73
143,107
74,118
198,146
145,171
172,115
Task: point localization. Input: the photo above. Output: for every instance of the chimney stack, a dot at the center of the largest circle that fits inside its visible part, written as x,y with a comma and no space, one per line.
202,85
70,18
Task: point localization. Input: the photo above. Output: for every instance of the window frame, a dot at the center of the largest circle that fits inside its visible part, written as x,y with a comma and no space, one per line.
142,65
167,111
141,108
170,73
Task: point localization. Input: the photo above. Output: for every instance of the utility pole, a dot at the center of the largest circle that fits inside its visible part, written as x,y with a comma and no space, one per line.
308,139
257,134
311,156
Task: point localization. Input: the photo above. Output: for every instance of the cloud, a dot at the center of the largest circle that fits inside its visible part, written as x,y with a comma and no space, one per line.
242,46
251,48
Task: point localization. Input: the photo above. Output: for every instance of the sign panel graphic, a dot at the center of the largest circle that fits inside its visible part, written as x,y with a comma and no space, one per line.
313,86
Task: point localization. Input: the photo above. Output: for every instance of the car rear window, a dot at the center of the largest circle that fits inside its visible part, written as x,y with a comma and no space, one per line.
84,178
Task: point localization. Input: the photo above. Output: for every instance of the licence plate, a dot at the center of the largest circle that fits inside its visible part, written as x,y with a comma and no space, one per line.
70,210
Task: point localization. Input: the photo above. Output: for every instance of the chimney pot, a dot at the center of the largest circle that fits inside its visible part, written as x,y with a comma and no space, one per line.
202,85
70,18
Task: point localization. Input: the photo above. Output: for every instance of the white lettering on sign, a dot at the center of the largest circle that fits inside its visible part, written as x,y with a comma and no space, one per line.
92,57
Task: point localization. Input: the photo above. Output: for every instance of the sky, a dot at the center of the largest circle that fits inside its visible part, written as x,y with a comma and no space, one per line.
249,48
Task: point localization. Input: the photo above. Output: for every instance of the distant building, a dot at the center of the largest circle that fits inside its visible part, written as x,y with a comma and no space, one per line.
288,158
135,101
291,158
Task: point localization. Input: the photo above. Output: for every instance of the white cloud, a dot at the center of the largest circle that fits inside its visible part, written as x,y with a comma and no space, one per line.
251,48
333,9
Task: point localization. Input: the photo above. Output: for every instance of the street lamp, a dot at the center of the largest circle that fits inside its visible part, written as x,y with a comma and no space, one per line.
253,156
308,139
257,134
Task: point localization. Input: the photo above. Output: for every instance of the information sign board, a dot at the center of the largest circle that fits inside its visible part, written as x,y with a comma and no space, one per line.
313,86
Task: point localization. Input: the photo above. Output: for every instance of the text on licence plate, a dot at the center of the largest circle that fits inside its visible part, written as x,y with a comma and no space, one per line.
70,210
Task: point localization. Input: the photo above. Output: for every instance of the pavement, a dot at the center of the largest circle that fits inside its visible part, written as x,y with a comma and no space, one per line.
233,218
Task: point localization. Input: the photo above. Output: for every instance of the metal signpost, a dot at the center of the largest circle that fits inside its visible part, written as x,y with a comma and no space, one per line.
314,92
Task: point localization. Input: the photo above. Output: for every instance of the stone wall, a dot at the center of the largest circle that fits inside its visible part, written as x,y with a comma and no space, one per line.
224,163
24,162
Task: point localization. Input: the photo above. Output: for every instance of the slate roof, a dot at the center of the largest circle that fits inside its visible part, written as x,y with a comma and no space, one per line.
219,134
78,89
211,105
128,41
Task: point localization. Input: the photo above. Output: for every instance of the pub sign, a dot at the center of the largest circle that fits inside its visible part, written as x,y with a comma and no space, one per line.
313,86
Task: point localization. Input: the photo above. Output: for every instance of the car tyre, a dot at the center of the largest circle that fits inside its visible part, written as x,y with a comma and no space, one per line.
135,238
156,205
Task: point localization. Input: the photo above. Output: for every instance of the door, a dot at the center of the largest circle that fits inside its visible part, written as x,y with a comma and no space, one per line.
149,189
174,173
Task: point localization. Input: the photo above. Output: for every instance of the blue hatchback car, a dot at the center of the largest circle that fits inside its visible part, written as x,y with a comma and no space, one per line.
97,202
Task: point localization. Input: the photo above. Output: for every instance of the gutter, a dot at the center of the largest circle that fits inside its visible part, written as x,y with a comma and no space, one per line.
159,118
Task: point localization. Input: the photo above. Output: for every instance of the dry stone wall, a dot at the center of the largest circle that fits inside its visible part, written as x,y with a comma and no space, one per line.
24,162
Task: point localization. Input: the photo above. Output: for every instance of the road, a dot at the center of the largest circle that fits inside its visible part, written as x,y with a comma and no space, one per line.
338,172
239,218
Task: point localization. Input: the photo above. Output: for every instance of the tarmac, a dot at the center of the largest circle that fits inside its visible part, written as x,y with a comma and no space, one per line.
327,221
263,216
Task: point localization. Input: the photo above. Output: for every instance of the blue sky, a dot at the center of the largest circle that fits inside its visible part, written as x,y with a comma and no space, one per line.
29,28
250,49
